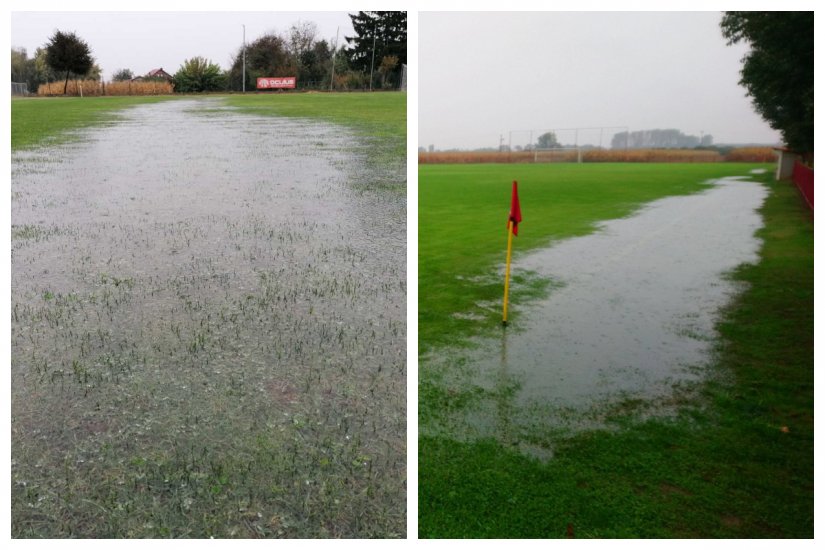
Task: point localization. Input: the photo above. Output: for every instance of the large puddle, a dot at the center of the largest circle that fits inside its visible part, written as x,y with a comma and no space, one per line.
630,314
194,289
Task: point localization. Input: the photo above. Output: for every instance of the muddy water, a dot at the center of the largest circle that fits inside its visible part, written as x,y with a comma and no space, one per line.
191,281
631,313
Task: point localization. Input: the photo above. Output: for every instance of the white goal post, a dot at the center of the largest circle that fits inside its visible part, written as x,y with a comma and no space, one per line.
558,154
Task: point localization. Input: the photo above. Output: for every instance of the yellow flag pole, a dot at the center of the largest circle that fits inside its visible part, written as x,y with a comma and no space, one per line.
507,269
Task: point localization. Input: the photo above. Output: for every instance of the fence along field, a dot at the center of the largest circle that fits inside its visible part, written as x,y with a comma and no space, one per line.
97,88
744,154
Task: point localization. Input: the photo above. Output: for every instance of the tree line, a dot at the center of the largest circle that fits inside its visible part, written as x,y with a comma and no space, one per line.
374,57
659,139
778,71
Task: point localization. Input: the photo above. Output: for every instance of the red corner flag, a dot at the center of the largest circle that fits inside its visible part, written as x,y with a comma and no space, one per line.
515,210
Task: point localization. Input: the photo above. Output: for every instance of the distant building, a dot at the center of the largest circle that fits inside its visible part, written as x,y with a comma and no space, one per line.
154,74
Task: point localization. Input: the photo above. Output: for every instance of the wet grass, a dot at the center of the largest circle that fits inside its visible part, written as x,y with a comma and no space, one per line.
378,118
36,121
734,459
224,356
463,232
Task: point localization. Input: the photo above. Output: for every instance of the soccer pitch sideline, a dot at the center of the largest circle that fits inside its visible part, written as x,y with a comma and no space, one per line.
734,460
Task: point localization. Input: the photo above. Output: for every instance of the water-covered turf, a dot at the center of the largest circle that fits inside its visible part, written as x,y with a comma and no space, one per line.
729,454
630,313
208,331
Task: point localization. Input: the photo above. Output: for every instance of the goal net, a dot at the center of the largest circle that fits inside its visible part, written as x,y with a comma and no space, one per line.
563,144
19,88
558,154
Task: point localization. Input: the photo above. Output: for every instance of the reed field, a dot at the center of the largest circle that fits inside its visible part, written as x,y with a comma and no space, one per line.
748,154
208,323
729,456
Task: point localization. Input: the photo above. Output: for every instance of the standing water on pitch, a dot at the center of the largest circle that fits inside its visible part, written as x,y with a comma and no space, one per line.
630,315
208,330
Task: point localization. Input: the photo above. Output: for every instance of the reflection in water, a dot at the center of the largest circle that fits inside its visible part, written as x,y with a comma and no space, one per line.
503,401
631,313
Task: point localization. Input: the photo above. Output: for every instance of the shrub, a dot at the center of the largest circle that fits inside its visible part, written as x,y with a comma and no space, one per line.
199,75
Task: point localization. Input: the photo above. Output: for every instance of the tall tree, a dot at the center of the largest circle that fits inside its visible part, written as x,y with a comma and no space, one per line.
778,72
547,141
39,71
379,34
65,51
266,56
301,37
19,65
316,63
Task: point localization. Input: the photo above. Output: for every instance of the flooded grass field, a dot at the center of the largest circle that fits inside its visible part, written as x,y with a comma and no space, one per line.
208,331
629,319
656,378
542,431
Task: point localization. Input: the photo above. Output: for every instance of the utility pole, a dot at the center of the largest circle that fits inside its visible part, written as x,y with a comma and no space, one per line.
334,52
373,55
243,70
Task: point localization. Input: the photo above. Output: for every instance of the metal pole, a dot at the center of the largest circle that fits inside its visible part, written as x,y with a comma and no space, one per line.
243,71
373,55
507,269
334,49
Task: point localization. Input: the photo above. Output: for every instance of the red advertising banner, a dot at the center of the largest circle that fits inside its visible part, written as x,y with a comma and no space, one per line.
276,82
803,177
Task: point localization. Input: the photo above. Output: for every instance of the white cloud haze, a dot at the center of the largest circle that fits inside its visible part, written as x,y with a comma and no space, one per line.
485,74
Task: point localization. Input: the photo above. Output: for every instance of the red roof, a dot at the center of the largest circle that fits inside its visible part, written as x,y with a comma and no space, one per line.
158,73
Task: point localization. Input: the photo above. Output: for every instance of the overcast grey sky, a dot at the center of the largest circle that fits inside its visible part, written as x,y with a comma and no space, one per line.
142,41
483,75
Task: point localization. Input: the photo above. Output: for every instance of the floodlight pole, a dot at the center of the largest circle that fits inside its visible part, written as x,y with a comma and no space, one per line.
334,52
373,55
243,70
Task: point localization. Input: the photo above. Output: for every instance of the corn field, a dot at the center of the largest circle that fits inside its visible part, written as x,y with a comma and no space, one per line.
97,88
745,154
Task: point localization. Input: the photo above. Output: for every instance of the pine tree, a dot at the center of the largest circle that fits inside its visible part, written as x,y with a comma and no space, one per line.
379,34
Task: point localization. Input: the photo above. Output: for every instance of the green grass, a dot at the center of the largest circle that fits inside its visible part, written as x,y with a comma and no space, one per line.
380,118
463,232
35,121
723,466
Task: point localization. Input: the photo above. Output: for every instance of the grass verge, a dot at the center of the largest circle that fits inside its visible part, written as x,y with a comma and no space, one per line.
736,461
35,121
